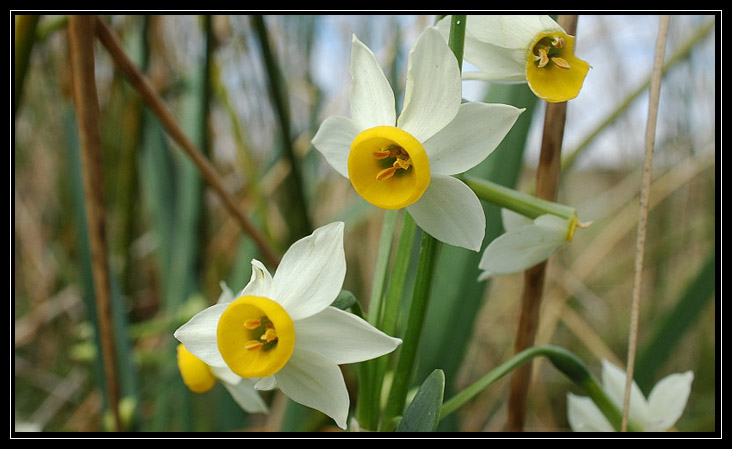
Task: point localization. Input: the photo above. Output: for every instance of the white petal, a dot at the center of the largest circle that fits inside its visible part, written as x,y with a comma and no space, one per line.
523,247
342,337
613,380
260,283
199,335
510,31
504,65
475,132
316,382
372,99
311,272
434,89
512,220
266,383
333,140
246,396
584,416
450,212
226,295
667,401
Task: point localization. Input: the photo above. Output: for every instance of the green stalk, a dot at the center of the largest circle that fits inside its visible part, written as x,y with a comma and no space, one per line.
423,282
522,203
566,362
418,310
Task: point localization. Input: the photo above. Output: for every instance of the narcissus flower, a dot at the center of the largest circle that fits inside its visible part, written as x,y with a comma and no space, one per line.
526,242
407,162
281,332
659,413
523,48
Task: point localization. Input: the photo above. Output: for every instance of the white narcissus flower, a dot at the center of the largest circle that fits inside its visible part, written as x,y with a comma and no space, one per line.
659,413
531,49
281,332
407,162
525,243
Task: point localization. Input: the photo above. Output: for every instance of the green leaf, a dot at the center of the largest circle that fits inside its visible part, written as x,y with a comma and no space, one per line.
423,413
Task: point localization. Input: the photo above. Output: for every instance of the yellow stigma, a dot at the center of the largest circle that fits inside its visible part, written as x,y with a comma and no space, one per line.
195,373
553,72
255,336
388,167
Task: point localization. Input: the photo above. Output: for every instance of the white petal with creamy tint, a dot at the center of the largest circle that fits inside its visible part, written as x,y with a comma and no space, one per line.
613,380
333,140
450,212
342,337
510,31
524,246
198,335
584,416
241,389
316,382
311,272
475,132
372,99
667,401
433,90
260,282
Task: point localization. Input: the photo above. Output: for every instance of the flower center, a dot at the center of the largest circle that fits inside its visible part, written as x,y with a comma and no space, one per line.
195,373
388,167
547,50
255,336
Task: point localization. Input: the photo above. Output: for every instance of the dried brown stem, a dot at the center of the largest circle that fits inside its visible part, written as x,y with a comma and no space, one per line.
156,104
655,90
81,41
547,180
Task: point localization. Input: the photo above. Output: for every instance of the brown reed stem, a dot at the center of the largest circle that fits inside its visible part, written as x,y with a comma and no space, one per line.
156,104
81,49
547,180
654,93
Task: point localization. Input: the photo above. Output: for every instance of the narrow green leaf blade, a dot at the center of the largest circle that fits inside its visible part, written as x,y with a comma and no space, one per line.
423,414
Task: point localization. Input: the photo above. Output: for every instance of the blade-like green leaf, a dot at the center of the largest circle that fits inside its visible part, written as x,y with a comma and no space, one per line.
423,413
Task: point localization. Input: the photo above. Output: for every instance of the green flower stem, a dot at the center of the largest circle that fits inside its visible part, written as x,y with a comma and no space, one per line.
417,312
456,40
367,407
423,282
566,362
522,203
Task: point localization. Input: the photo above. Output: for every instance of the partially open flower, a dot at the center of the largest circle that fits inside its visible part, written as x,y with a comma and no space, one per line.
523,48
659,413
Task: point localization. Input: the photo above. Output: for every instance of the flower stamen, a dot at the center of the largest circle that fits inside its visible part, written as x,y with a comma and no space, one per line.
253,345
400,157
560,62
252,324
543,58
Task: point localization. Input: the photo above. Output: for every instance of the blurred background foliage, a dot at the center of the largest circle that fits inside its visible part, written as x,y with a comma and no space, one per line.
250,93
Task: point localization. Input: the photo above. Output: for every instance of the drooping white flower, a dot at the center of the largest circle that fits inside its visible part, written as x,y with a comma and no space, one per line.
659,413
531,49
525,243
408,161
281,332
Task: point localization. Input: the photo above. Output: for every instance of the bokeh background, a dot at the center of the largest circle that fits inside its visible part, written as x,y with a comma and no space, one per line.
171,242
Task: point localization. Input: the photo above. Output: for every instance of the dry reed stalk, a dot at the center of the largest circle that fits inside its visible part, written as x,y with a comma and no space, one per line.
81,49
547,180
166,117
655,90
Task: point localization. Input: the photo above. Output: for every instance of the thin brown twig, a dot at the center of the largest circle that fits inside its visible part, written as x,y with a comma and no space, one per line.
655,91
547,181
81,41
156,104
